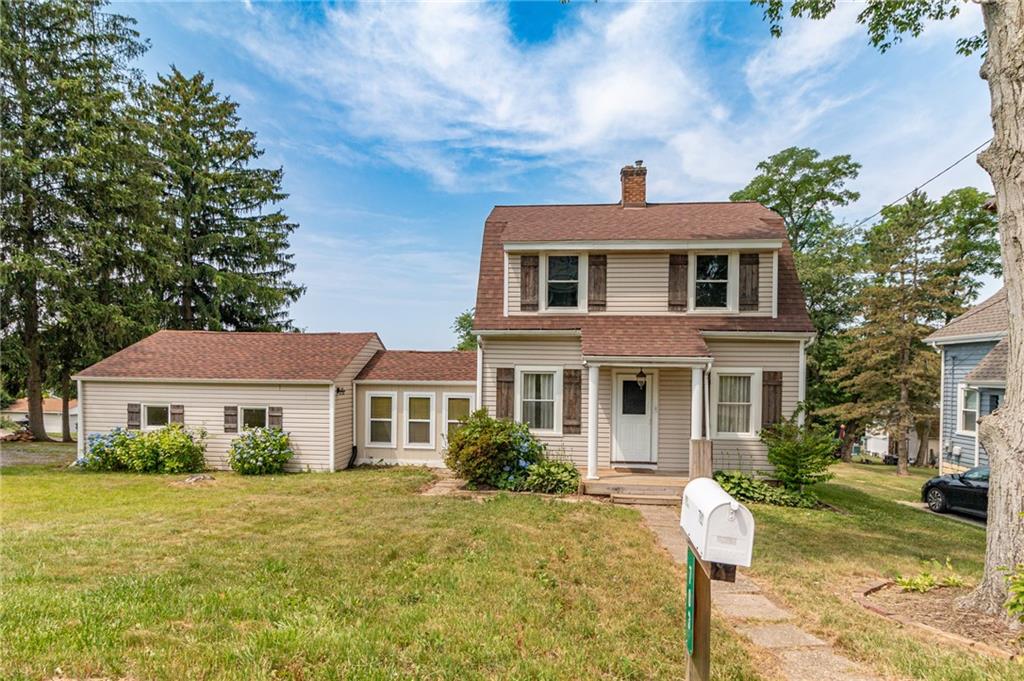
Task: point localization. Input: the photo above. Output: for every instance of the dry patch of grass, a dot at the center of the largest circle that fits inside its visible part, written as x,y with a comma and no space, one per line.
814,560
349,575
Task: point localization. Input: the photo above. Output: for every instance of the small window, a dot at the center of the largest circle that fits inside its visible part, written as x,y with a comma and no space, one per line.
253,417
711,281
456,412
156,415
381,431
419,420
968,410
993,402
563,280
538,400
733,404
634,398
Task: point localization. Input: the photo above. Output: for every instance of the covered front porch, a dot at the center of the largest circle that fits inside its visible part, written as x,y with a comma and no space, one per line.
643,414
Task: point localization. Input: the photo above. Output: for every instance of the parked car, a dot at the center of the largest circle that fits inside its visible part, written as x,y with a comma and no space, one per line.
966,492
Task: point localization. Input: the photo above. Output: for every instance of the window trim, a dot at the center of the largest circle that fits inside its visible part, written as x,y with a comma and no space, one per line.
144,420
581,283
370,394
732,283
241,416
444,411
432,421
755,374
961,402
557,393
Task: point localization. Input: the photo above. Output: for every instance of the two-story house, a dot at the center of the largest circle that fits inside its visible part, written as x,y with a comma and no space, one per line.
622,332
975,352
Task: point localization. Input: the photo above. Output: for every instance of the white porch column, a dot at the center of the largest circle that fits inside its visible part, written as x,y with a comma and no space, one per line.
592,398
696,403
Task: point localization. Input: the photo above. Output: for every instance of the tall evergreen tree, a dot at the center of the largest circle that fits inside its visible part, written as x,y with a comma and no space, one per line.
889,373
230,260
969,232
65,81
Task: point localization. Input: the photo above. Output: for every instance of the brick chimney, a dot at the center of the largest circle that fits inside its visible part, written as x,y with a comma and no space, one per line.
634,185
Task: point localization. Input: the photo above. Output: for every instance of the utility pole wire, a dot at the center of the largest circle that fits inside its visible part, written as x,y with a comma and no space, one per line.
933,177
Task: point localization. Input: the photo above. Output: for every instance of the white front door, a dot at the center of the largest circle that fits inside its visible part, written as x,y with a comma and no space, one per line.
632,431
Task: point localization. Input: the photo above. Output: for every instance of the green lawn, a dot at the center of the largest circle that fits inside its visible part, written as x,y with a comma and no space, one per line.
351,575
812,560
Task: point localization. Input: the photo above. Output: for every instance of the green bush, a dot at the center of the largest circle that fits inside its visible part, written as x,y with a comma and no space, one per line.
172,449
495,452
260,451
801,455
1015,588
744,487
552,477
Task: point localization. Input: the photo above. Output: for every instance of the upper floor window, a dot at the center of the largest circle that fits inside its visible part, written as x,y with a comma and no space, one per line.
563,282
968,410
711,281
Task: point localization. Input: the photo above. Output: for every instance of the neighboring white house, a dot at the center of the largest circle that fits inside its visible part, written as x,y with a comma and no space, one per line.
52,409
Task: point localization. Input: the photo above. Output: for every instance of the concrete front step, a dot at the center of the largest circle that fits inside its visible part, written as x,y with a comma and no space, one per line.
647,499
606,489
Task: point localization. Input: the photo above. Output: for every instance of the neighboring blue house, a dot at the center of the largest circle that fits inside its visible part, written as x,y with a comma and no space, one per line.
974,355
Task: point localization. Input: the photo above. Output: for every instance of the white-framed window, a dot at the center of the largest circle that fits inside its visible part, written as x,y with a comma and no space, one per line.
539,398
381,408
155,415
735,402
563,281
419,420
967,418
456,409
252,417
714,281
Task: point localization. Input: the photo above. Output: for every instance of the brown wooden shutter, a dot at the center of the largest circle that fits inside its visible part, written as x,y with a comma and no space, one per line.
572,401
677,282
771,398
597,276
529,272
749,266
177,413
134,416
275,417
230,419
505,406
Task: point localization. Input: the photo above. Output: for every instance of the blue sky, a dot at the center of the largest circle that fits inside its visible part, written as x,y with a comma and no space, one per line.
400,125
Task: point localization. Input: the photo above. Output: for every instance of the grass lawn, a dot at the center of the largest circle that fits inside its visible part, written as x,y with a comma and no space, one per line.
57,454
812,560
351,575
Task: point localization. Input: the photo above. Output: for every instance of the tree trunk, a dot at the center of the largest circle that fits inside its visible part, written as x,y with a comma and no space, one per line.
902,445
33,353
65,415
924,431
1002,432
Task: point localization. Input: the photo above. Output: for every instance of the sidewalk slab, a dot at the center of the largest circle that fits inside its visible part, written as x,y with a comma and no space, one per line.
749,607
778,636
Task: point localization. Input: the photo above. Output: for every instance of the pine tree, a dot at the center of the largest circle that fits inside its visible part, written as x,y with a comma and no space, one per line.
890,375
230,265
65,84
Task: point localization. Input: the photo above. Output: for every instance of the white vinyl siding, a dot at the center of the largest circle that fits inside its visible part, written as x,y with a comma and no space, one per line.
637,283
401,453
304,412
673,420
744,452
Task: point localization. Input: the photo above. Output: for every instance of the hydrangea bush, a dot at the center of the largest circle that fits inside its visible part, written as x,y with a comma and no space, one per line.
172,449
493,452
260,451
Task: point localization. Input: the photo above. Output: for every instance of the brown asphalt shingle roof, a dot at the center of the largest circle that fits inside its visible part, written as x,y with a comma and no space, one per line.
641,336
674,221
992,368
988,317
420,365
234,355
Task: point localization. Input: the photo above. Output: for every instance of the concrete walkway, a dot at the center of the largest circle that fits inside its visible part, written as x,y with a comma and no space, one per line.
801,656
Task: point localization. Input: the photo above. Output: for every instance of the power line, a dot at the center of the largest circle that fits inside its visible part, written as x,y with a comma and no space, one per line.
933,177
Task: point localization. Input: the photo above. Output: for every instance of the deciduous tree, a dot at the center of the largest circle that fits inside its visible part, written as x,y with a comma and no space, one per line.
463,328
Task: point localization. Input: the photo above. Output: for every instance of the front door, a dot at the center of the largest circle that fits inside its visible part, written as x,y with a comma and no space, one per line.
632,432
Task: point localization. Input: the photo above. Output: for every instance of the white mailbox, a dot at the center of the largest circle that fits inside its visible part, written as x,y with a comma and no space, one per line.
720,528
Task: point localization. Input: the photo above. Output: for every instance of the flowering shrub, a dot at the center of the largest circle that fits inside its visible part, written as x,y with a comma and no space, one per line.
172,449
551,476
495,452
260,451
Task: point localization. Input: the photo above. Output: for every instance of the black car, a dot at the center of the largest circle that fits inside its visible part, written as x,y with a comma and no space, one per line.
966,492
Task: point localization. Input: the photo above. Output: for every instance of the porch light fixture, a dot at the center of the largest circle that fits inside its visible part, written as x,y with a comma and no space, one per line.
641,379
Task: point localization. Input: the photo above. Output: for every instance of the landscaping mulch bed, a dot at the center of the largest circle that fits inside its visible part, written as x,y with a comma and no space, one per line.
936,611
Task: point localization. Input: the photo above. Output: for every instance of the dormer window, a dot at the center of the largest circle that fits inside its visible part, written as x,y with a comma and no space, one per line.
711,280
563,281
